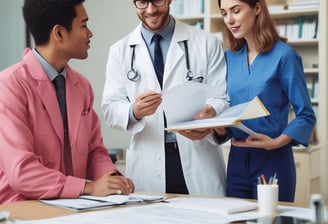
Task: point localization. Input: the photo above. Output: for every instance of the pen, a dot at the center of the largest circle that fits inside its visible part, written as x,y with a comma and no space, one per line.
274,179
263,179
259,180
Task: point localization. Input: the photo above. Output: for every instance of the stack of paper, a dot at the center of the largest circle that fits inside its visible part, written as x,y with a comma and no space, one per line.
86,202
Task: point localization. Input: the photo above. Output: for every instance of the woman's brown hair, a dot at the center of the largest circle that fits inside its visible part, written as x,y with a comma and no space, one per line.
266,33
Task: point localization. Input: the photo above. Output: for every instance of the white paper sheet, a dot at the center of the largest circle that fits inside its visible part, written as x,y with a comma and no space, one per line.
182,102
162,213
86,202
223,206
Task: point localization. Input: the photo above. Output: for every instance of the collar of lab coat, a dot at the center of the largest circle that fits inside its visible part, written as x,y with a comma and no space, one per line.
180,34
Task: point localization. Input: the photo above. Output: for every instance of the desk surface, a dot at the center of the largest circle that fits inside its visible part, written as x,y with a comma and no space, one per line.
28,210
31,210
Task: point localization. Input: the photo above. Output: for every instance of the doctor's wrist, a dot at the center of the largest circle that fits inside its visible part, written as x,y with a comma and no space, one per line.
132,117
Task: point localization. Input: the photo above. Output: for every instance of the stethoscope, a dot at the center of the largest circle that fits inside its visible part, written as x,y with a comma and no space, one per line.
134,74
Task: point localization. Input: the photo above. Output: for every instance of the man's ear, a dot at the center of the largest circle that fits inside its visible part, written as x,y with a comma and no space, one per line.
57,32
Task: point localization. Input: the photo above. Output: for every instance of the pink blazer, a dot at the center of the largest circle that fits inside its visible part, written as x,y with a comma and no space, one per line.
31,134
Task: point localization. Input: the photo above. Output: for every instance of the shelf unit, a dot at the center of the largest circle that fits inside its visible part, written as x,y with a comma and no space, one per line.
323,109
309,50
307,174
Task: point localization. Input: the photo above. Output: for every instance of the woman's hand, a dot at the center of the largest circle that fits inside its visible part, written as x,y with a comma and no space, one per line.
262,141
221,131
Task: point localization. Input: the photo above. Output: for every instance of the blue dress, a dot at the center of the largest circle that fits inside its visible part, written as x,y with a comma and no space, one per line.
277,78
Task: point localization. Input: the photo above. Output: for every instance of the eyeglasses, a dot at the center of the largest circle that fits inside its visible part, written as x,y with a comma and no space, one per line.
143,4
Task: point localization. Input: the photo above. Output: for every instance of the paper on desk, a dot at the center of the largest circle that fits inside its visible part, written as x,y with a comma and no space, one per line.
223,206
116,199
78,204
160,213
121,199
153,213
86,202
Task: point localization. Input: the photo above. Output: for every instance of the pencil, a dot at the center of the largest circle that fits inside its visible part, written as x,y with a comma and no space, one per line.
263,179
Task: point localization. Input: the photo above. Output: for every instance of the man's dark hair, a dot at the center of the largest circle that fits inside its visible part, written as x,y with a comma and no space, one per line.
42,15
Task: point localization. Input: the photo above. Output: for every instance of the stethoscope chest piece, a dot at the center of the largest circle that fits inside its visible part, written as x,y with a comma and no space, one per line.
190,75
133,75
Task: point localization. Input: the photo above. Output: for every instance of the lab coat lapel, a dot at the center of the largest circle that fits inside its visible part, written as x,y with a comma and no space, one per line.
174,55
176,51
143,61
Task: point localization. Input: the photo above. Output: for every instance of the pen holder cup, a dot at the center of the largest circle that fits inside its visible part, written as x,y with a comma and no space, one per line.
267,197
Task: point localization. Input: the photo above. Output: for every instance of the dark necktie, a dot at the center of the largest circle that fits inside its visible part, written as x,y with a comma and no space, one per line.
158,59
59,83
175,182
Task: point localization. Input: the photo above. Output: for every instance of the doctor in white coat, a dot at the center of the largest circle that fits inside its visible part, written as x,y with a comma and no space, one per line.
132,97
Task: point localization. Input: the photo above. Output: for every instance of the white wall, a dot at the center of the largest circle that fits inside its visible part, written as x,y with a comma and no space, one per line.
12,28
109,21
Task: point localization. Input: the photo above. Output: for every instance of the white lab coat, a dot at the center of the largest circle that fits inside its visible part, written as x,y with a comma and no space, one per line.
202,161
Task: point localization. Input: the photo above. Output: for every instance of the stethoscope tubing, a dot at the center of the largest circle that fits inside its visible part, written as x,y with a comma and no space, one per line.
134,75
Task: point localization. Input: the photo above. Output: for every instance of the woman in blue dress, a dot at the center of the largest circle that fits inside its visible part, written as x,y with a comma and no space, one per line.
260,63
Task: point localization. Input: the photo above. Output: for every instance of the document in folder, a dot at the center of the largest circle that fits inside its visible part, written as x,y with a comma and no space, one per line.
88,202
178,118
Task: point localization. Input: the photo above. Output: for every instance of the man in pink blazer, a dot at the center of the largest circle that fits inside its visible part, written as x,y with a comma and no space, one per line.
31,127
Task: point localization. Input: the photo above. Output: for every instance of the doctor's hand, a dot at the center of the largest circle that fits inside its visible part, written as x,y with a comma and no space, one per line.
110,183
207,112
196,134
146,104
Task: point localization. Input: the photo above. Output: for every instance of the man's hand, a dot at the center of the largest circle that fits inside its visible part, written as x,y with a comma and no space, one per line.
198,134
146,104
109,184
